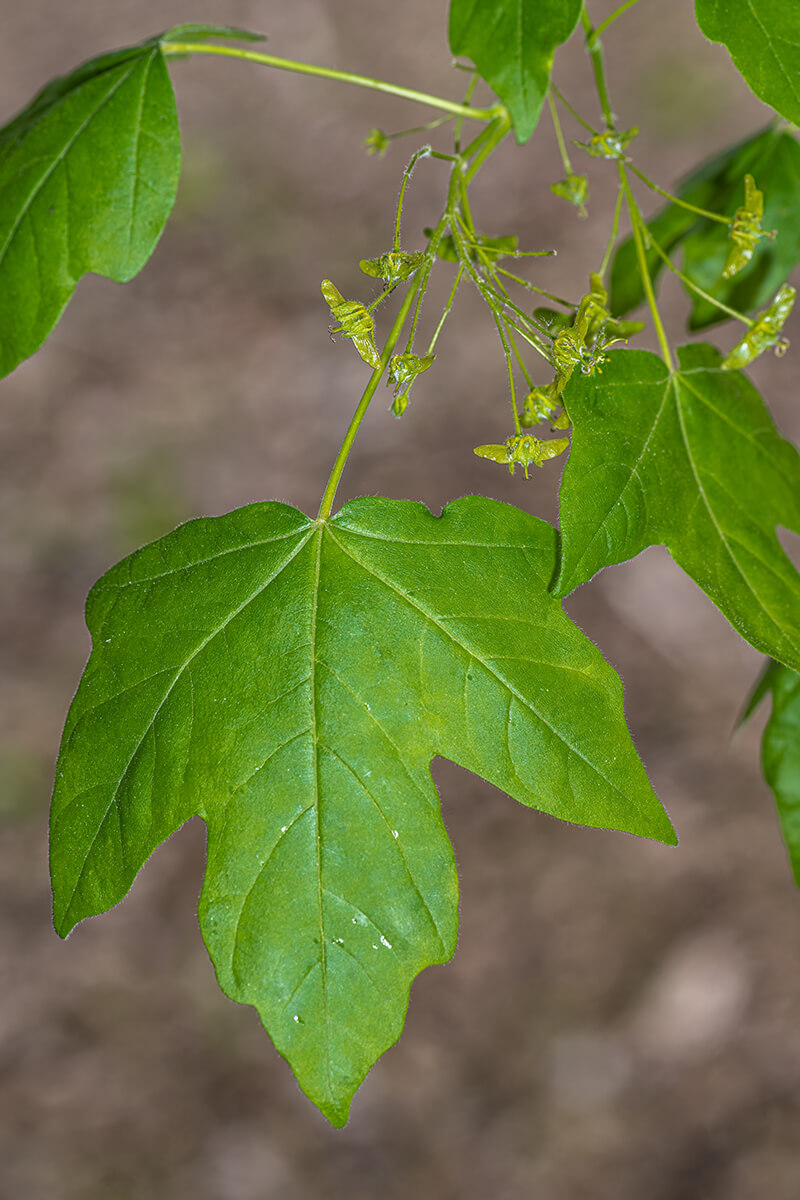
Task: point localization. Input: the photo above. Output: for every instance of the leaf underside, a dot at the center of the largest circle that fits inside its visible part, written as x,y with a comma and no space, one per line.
763,38
780,751
290,682
772,156
88,177
690,460
511,43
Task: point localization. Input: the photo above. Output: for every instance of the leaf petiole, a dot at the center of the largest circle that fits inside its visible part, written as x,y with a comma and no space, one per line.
174,49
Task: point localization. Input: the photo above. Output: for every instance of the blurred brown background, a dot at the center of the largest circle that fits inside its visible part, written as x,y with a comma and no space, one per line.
621,1020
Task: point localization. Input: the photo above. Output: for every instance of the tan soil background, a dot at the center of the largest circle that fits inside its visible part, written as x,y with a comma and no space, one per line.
621,1020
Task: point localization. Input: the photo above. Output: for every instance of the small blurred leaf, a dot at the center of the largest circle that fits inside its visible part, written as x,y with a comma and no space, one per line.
780,750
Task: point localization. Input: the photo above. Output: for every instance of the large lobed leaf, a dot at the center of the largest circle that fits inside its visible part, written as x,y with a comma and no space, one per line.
512,42
780,750
88,176
689,459
763,37
290,681
772,156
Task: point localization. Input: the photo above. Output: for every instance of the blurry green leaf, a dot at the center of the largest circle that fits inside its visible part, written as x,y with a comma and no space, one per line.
780,750
512,42
763,37
689,460
88,175
290,681
773,157
208,33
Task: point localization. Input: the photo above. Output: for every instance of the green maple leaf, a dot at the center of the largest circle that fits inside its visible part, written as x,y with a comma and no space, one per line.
691,460
763,37
780,750
512,43
290,681
88,176
772,156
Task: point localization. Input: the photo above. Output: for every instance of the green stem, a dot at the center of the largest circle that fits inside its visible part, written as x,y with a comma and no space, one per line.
562,146
647,284
623,8
694,287
447,307
363,404
496,300
426,128
425,271
614,232
422,153
487,140
510,366
520,360
572,112
701,212
457,135
464,217
383,296
539,291
596,54
530,339
300,68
